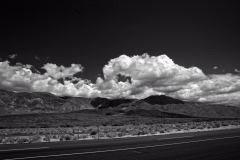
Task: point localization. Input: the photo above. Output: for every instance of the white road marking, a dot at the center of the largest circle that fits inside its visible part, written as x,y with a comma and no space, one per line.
175,137
138,152
22,149
122,149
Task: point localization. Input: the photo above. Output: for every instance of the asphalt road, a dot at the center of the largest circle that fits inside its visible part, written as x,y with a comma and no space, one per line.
219,145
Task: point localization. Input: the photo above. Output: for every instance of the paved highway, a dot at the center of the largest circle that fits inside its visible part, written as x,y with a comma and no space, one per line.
219,145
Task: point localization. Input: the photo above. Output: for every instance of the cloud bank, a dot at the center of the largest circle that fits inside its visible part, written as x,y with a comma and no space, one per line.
138,76
22,78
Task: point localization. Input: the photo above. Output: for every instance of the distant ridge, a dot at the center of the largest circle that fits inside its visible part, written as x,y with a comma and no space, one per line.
162,100
12,103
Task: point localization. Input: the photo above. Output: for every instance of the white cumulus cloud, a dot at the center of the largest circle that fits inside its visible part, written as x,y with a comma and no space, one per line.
21,78
58,72
157,74
160,75
136,76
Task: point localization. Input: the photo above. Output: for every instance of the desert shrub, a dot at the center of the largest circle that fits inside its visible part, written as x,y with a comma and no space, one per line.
55,136
93,133
1,139
217,125
9,140
141,133
23,140
111,134
35,138
179,129
224,123
192,126
75,137
162,131
200,126
208,126
67,138
82,136
46,138
61,138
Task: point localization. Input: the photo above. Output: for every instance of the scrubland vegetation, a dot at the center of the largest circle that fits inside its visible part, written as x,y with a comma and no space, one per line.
92,126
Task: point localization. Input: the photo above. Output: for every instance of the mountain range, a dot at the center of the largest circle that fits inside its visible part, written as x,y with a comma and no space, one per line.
12,103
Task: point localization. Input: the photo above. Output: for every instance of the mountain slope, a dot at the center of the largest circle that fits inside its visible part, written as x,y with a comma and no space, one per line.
26,103
202,110
155,106
102,103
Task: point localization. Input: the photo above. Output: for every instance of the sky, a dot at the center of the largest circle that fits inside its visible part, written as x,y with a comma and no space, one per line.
132,49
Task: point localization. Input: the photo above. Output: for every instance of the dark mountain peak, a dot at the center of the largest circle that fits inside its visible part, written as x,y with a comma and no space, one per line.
162,100
97,102
106,103
65,97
